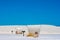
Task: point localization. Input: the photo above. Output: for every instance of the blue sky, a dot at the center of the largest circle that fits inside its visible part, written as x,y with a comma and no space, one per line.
22,12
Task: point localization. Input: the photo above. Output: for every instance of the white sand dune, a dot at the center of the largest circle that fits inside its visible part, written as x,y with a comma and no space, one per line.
49,29
44,29
47,32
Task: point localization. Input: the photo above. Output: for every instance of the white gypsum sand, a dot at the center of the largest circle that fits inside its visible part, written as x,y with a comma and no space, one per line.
44,29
